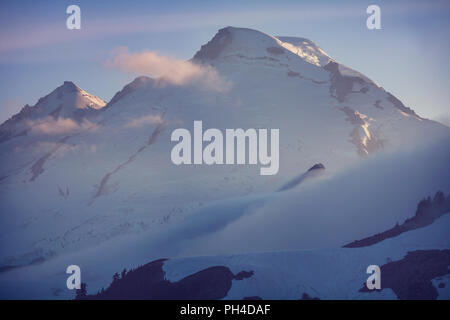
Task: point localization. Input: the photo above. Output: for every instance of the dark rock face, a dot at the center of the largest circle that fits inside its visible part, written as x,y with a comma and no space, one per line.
148,282
364,145
294,74
427,211
7,128
214,47
299,179
68,86
340,85
399,105
377,104
306,296
410,278
316,167
275,50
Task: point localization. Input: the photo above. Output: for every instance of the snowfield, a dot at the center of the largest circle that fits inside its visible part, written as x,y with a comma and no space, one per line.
89,183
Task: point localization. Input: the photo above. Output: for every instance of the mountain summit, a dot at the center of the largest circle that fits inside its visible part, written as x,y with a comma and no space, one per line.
67,101
232,43
252,43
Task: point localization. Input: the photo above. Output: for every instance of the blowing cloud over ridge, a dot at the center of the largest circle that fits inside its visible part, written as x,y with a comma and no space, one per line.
169,70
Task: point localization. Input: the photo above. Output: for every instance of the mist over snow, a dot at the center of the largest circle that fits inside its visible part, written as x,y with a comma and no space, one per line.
49,125
323,213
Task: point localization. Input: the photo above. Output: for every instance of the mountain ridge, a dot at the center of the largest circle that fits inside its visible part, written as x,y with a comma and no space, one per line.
67,101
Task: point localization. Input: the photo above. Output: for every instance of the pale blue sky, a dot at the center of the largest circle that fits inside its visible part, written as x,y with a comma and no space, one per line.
408,56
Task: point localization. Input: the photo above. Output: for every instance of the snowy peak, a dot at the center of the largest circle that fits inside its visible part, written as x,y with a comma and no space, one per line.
68,101
244,45
306,49
69,86
231,41
73,97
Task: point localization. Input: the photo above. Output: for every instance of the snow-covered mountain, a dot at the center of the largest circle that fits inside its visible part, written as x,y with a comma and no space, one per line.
77,173
64,106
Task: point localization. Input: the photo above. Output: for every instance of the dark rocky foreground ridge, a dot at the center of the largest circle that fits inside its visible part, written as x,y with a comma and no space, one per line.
148,282
427,212
410,278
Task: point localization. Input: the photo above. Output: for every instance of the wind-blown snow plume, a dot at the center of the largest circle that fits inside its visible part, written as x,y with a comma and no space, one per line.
173,71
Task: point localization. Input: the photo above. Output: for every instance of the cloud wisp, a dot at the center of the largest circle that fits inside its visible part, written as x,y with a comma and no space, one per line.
144,121
166,69
51,126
